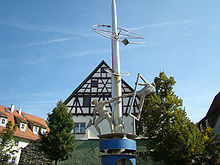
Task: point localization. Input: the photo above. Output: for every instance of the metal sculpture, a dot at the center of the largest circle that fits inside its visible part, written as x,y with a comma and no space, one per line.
103,114
117,142
141,94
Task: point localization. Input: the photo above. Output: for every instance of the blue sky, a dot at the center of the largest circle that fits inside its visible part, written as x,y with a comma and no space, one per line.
47,48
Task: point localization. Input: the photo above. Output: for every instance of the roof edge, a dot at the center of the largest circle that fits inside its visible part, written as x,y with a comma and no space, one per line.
87,78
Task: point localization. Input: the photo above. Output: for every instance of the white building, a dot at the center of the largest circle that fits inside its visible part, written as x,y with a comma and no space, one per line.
27,130
97,86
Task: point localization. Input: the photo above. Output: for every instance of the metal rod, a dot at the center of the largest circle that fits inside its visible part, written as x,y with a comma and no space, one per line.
116,78
133,97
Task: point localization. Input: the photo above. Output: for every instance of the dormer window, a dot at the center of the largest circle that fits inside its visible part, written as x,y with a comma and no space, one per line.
43,130
35,130
24,115
3,122
7,110
22,126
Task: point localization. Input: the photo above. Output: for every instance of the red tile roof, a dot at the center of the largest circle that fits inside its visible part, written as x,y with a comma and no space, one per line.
14,117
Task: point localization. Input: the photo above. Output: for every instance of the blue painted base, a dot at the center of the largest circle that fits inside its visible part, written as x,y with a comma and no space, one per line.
112,146
113,159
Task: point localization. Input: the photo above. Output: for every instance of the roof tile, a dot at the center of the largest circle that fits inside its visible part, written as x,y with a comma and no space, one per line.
28,134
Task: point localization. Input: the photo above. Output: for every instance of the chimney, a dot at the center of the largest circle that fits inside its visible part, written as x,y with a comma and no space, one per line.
12,108
19,111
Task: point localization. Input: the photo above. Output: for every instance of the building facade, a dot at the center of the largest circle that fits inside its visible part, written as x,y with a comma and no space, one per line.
97,86
212,118
27,128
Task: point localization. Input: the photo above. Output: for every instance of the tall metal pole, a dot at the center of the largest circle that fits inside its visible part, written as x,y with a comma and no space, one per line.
116,77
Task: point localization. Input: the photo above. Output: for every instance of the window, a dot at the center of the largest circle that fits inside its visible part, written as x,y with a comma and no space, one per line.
24,115
35,130
80,128
207,123
43,130
16,143
201,127
94,83
13,159
103,70
3,122
22,126
86,101
7,110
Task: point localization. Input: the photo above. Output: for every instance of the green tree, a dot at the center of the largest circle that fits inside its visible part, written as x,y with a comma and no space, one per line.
7,141
170,136
58,143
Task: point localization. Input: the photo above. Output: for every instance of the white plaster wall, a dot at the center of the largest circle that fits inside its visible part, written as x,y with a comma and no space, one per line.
91,132
21,144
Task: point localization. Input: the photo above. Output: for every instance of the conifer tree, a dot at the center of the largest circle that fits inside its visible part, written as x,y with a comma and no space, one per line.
58,143
170,136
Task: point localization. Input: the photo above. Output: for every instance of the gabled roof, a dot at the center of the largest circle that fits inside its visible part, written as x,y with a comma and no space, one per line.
15,117
4,114
20,118
215,105
213,112
36,122
90,75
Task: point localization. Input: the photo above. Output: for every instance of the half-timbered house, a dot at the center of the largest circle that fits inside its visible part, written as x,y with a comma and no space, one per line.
97,86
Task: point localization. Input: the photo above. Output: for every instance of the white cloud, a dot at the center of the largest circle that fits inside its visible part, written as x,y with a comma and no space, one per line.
162,24
46,42
51,56
104,51
89,52
37,43
21,24
38,108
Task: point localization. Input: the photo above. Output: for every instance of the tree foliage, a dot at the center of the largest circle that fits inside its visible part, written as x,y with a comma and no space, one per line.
170,136
7,141
58,143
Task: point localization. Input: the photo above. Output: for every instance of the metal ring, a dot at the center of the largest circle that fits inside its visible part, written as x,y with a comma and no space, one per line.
121,74
121,36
